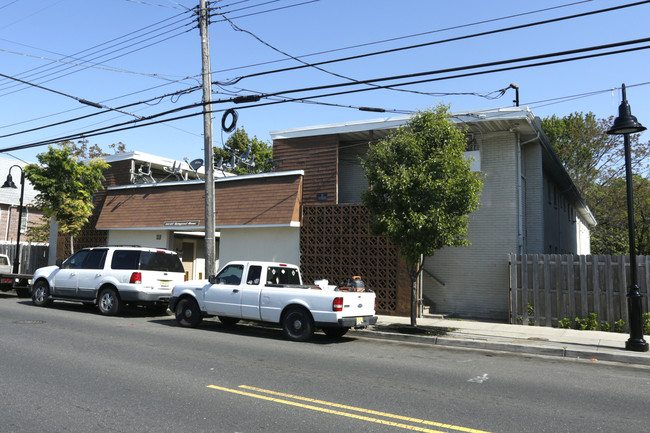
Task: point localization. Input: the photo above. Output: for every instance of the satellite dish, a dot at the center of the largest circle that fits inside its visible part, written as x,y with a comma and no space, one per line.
245,155
233,162
196,164
220,164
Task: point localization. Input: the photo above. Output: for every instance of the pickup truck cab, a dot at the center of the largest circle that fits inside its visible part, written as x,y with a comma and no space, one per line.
273,293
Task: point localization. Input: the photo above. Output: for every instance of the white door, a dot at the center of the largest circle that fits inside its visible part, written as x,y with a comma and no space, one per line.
224,298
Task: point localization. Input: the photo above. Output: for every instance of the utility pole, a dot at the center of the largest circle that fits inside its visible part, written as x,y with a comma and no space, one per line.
210,256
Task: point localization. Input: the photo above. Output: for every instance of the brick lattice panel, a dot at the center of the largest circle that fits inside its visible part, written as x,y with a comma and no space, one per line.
335,244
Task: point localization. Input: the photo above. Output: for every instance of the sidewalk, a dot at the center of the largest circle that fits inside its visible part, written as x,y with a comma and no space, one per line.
568,343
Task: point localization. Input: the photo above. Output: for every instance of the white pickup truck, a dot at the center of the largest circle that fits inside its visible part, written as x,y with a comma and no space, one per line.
274,293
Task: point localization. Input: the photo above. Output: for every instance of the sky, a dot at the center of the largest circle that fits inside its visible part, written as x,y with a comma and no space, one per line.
141,58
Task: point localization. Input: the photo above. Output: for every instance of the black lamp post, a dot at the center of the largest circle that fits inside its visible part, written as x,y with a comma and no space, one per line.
626,124
9,183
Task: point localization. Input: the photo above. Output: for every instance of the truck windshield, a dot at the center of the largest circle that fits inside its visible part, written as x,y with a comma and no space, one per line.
282,275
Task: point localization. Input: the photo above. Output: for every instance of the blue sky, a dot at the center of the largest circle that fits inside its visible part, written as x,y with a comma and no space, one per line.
122,52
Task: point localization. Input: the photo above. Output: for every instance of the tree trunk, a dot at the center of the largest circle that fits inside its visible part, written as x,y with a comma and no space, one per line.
414,300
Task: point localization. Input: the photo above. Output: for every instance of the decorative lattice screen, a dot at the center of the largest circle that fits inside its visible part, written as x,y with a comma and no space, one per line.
335,245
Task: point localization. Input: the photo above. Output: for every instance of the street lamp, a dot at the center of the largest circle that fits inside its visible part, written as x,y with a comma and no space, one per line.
9,183
626,124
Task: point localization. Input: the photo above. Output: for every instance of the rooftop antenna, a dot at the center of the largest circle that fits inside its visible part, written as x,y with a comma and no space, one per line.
194,165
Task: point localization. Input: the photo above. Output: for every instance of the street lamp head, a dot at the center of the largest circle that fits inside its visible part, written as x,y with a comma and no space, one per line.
9,183
625,123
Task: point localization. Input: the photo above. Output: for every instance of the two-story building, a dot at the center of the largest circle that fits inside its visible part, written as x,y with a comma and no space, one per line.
309,211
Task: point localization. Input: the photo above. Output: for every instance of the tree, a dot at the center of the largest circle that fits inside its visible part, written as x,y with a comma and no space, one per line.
237,144
595,162
40,232
66,186
421,189
611,235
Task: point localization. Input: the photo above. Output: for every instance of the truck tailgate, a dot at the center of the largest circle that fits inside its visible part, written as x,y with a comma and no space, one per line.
358,304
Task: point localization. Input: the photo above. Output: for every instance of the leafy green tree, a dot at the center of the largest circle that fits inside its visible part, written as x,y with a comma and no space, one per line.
237,144
66,186
595,162
421,189
611,235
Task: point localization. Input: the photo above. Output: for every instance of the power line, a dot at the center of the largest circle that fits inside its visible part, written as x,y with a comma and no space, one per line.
407,36
393,50
165,29
133,124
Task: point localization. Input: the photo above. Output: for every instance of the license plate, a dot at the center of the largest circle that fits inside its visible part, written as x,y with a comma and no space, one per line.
164,283
359,321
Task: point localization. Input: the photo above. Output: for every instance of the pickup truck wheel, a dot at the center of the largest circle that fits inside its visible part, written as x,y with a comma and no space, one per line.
188,313
108,302
228,321
41,294
335,332
298,324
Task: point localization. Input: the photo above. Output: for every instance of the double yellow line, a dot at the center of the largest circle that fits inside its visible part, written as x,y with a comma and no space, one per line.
273,396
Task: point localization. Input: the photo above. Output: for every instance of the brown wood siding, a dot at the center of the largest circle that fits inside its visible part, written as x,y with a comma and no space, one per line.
119,173
318,157
259,201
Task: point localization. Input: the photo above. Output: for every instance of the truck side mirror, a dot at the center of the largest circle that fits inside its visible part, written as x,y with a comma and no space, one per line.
212,279
59,262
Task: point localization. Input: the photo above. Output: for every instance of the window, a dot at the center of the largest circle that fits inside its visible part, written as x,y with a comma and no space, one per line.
282,275
254,274
76,260
155,261
95,259
231,275
125,259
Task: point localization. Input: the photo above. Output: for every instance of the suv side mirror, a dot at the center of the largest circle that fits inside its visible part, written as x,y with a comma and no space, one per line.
212,279
59,262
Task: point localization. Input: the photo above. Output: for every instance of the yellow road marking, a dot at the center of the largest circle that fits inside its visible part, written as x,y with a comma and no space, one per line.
344,414
368,411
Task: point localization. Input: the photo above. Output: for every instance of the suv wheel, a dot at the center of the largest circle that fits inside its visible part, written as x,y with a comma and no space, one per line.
41,294
109,302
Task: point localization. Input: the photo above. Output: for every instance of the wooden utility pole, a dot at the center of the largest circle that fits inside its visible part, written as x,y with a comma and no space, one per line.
210,245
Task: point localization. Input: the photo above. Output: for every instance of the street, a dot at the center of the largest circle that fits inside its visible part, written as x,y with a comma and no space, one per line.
67,368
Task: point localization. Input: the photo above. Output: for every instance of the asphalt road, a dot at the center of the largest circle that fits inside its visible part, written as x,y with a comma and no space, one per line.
68,369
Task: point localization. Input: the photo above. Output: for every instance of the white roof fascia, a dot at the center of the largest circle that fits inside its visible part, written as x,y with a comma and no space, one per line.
508,113
341,128
217,180
145,157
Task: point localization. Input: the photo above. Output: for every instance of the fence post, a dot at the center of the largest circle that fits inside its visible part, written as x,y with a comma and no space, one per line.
548,309
570,286
596,291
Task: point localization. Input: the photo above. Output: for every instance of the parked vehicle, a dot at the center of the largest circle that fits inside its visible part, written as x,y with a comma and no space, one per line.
111,277
274,293
10,281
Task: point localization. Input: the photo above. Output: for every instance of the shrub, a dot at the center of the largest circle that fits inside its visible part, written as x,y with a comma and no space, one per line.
619,325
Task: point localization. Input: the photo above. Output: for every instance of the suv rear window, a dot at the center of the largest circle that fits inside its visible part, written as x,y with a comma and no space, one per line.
160,262
146,261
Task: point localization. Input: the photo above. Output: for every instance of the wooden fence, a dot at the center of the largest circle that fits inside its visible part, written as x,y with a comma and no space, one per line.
32,256
546,288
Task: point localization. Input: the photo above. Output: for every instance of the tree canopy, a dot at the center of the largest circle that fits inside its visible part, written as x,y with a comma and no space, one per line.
595,162
421,188
237,144
66,186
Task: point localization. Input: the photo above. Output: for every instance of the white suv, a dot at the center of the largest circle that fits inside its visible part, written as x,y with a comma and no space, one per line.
111,277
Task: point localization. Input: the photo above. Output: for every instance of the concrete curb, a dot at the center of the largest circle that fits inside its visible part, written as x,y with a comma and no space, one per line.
548,349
